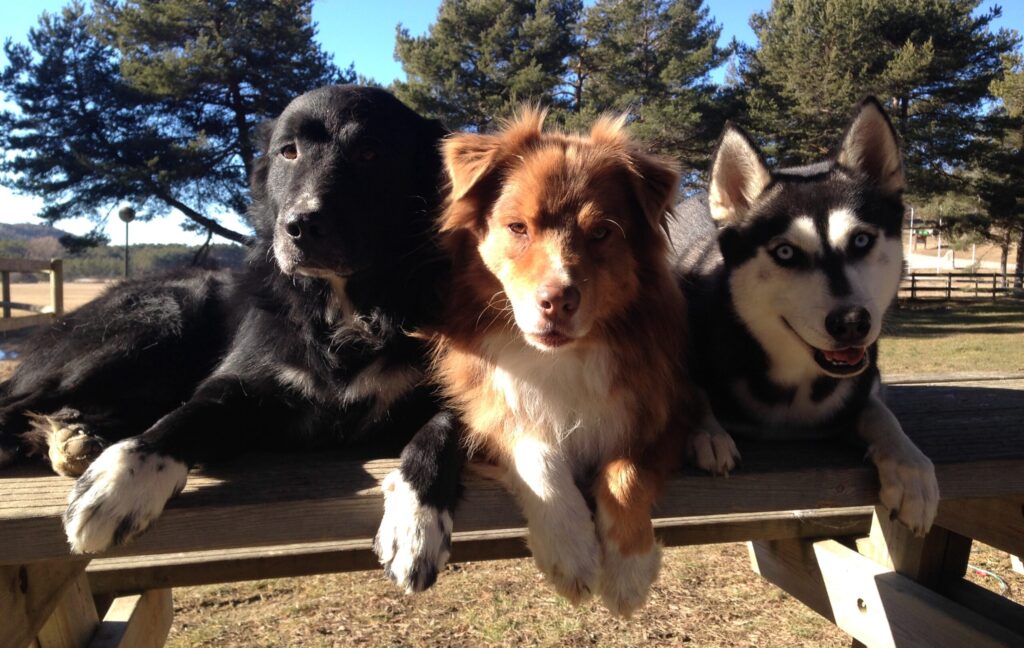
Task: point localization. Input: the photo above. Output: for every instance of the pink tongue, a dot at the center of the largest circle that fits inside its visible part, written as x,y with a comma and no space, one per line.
850,356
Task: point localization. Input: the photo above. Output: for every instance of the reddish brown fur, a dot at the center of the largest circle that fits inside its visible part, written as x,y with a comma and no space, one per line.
562,186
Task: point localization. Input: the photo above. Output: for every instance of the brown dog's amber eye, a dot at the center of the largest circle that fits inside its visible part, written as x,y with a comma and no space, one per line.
599,233
519,229
289,152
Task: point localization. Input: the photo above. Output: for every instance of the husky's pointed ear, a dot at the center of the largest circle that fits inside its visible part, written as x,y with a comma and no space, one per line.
871,148
738,176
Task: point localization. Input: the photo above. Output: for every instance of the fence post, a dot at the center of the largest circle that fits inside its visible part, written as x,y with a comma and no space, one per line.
949,286
6,279
57,286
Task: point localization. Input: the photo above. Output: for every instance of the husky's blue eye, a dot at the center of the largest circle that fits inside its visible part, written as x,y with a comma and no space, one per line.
784,253
861,243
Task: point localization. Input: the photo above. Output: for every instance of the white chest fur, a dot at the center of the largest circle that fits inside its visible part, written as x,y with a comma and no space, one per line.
790,419
564,399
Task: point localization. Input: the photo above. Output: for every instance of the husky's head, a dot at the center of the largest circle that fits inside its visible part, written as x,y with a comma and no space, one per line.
814,254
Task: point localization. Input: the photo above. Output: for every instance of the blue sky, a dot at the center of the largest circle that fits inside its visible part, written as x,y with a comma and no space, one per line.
359,32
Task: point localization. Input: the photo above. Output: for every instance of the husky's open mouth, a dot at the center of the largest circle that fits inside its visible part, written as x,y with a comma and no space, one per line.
840,363
844,362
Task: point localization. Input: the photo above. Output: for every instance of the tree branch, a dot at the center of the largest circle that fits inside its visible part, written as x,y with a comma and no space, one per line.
208,223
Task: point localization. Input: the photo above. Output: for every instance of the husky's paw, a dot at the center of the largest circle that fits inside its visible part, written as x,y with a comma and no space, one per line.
909,488
570,561
414,539
120,495
712,448
626,579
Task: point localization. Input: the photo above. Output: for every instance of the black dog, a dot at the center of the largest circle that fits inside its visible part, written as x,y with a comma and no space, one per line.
343,267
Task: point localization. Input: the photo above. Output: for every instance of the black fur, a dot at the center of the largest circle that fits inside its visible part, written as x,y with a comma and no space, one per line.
310,345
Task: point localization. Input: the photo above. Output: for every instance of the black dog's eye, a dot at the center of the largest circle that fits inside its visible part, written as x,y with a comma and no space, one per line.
861,243
519,229
786,255
289,152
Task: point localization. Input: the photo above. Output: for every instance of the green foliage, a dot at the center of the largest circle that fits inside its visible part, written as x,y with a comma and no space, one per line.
76,245
108,261
152,103
483,57
931,61
652,58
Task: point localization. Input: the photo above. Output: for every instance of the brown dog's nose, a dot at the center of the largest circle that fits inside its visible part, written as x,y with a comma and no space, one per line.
555,300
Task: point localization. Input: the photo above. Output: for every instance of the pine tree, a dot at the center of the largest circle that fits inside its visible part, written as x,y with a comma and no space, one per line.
652,58
481,58
164,123
931,61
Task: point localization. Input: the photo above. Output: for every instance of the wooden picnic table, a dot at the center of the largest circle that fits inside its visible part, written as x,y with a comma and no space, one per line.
805,508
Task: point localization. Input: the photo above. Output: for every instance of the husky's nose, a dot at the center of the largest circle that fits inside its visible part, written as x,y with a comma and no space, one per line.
557,300
848,324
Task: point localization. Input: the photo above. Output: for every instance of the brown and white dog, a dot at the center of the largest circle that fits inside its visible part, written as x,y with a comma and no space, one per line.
564,340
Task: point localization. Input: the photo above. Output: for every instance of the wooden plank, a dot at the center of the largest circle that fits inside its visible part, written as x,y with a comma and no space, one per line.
139,573
28,321
988,604
25,265
139,621
939,557
32,308
5,292
996,522
29,593
875,605
882,608
57,286
73,623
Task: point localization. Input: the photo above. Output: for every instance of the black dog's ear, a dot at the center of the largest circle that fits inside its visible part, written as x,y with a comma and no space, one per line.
871,148
264,131
738,176
261,165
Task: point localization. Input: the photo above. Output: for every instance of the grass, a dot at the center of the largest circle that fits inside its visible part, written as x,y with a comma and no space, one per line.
705,596
954,337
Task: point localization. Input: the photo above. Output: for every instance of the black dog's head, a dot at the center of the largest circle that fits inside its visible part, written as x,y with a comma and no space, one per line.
347,182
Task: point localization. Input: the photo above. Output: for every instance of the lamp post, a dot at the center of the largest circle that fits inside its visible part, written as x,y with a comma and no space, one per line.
127,214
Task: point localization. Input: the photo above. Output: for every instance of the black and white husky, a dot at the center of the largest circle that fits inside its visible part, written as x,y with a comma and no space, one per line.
788,286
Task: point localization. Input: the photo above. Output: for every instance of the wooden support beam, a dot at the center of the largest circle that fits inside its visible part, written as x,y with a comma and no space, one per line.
73,623
140,621
996,522
28,595
57,286
874,604
939,557
988,604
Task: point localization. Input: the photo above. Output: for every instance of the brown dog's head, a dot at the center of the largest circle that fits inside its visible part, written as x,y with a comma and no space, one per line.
569,225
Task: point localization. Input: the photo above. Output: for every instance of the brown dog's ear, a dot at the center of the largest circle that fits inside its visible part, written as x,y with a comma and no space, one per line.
474,162
870,148
655,181
738,176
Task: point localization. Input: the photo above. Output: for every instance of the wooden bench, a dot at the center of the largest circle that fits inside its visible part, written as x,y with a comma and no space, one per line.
805,508
54,268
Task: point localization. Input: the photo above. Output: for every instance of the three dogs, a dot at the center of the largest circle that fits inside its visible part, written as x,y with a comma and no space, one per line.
557,306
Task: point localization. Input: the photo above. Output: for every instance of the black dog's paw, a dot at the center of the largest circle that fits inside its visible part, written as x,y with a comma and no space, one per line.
414,540
120,495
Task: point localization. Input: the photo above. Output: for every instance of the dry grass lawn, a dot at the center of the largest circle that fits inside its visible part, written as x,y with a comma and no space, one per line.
705,596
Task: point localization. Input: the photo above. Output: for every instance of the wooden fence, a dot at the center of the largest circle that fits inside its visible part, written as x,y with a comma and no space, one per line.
41,314
956,285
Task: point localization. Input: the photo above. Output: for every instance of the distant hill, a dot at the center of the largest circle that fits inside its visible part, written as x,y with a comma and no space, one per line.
28,231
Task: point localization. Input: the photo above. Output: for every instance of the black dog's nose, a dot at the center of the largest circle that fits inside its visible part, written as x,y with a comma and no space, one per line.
848,324
300,225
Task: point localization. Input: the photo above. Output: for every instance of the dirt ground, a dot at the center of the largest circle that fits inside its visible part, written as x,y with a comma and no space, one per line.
705,596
